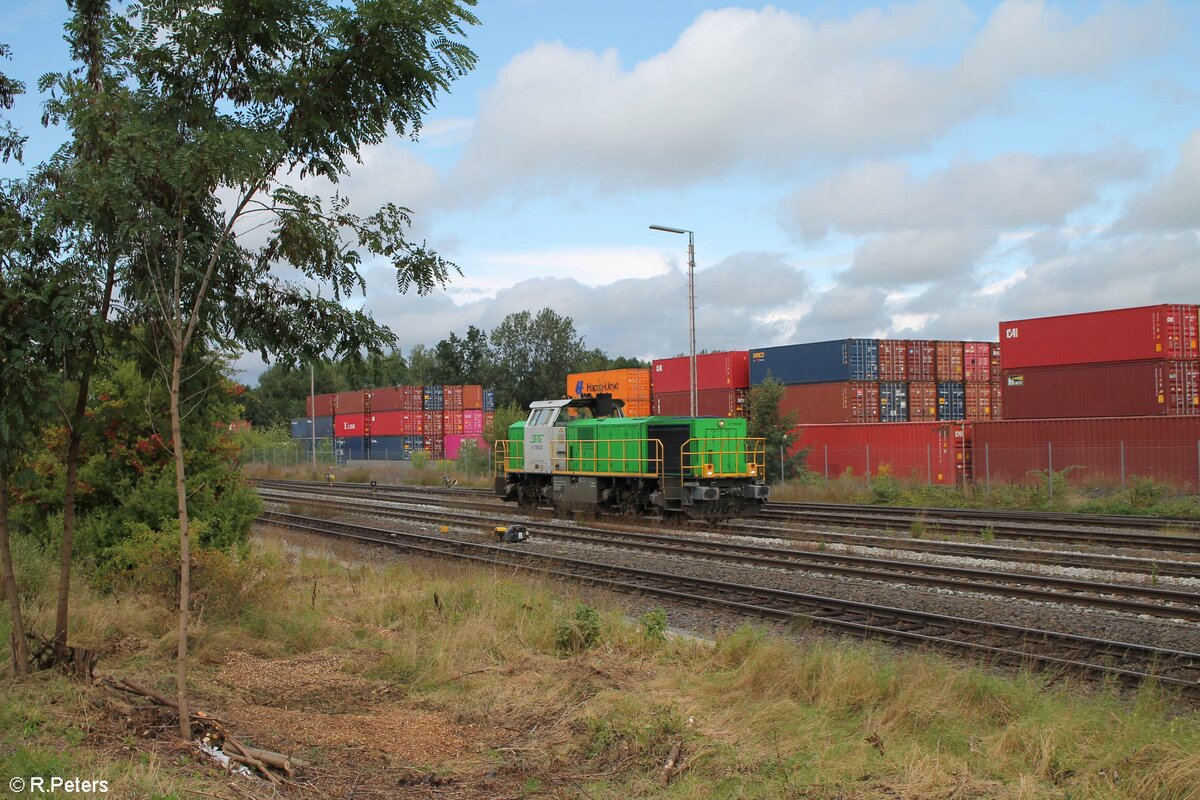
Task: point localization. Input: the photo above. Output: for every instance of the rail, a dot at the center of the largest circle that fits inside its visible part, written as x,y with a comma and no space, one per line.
734,457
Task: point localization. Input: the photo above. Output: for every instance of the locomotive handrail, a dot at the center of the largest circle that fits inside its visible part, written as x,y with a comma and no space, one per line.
723,457
653,457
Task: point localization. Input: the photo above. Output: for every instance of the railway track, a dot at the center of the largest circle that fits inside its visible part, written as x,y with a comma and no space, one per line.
989,642
1133,599
477,499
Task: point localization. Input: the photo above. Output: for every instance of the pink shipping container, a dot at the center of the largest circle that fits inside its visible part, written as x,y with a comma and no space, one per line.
325,405
351,402
921,361
729,370
472,421
349,425
472,397
926,452
710,403
893,360
452,397
453,444
452,423
1129,389
1145,333
949,361
978,398
977,362
922,401
818,403
1094,451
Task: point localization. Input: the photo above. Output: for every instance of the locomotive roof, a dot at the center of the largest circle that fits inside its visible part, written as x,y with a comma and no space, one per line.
574,402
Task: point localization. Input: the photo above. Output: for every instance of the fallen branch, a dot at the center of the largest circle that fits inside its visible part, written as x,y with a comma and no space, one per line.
668,768
276,760
132,687
254,763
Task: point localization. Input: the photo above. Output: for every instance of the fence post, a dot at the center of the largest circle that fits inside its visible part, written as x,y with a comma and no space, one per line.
1050,471
987,468
868,466
1122,463
780,463
827,462
928,465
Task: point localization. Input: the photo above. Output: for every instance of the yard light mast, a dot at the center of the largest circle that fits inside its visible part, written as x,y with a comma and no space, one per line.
693,399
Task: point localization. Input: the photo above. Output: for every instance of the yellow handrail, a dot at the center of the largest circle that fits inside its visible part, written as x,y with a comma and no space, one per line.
734,457
631,451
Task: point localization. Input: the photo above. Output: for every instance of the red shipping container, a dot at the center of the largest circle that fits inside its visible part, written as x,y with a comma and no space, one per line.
730,370
997,399
977,362
452,423
453,397
921,361
472,396
431,424
351,402
453,444
817,403
386,398
349,425
893,360
1129,389
472,421
325,405
488,418
949,361
388,423
436,447
1146,333
995,362
1097,450
922,401
412,398
710,402
924,452
979,401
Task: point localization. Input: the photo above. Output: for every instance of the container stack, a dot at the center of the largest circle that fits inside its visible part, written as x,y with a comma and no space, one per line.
630,385
391,423
1123,363
722,385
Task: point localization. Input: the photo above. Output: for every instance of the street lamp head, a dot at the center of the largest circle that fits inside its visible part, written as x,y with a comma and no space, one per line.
668,230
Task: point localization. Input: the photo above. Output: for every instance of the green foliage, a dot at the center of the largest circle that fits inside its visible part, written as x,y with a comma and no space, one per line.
420,459
578,632
532,355
503,417
654,625
472,459
1144,492
768,424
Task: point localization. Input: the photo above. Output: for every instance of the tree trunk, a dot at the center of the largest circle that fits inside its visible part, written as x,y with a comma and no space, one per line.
185,726
68,541
19,644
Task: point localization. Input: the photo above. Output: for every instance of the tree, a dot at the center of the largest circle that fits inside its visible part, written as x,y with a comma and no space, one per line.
532,355
422,365
225,103
502,418
767,423
462,360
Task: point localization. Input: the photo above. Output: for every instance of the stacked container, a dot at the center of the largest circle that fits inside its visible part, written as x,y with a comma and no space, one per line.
722,385
630,385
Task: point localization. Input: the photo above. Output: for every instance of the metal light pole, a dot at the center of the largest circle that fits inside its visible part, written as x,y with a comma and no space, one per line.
312,423
694,400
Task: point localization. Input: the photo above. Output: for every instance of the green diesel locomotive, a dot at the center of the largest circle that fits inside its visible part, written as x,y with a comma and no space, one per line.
583,455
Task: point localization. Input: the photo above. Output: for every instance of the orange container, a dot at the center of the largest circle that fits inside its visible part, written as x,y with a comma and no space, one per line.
630,385
472,395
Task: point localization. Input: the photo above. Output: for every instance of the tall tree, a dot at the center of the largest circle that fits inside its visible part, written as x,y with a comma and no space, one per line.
773,427
462,360
532,356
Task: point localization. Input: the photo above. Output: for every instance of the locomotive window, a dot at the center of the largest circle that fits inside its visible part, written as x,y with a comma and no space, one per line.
540,416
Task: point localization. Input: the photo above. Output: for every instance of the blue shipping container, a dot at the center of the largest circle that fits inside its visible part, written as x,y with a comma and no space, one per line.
301,428
952,400
893,401
388,448
346,448
433,397
489,399
817,362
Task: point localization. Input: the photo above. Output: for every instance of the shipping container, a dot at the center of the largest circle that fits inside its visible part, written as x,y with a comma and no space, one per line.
436,447
710,402
351,402
325,405
452,423
432,397
388,448
387,398
951,400
997,398
924,452
1126,389
949,361
630,385
488,418
977,362
819,403
995,363
452,397
921,361
1090,450
388,423
350,448
350,425
893,401
729,370
817,362
472,394
431,424
922,401
472,422
977,399
489,399
893,360
454,445
1146,333
302,428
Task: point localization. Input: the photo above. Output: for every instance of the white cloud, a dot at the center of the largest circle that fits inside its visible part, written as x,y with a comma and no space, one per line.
906,257
1173,203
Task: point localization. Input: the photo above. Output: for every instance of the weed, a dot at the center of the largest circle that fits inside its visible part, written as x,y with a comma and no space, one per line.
579,632
987,534
918,529
654,625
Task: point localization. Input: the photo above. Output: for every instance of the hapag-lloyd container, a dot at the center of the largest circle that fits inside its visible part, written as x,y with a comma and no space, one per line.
710,402
1145,333
349,425
925,452
893,401
817,403
630,385
730,370
454,444
949,361
921,360
978,401
1128,389
817,362
922,401
893,360
951,400
977,362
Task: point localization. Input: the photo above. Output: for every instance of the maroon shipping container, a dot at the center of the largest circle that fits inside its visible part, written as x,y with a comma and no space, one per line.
351,402
436,447
1146,333
949,362
386,398
926,452
1093,451
978,398
710,402
412,398
893,360
325,405
1129,389
729,370
995,362
431,424
349,425
922,401
472,397
452,398
922,360
997,399
819,403
977,362
452,423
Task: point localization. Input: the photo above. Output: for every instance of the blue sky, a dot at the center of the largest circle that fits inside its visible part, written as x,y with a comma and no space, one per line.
850,169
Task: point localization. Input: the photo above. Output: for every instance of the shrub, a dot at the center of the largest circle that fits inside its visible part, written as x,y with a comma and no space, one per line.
654,625
579,632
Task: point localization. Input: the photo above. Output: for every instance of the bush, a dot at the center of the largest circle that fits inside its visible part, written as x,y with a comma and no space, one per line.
654,625
577,633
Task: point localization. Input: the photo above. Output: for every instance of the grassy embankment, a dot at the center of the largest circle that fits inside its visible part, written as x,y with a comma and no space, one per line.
500,685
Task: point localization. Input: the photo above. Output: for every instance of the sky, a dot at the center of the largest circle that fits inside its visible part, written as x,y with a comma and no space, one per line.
849,169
